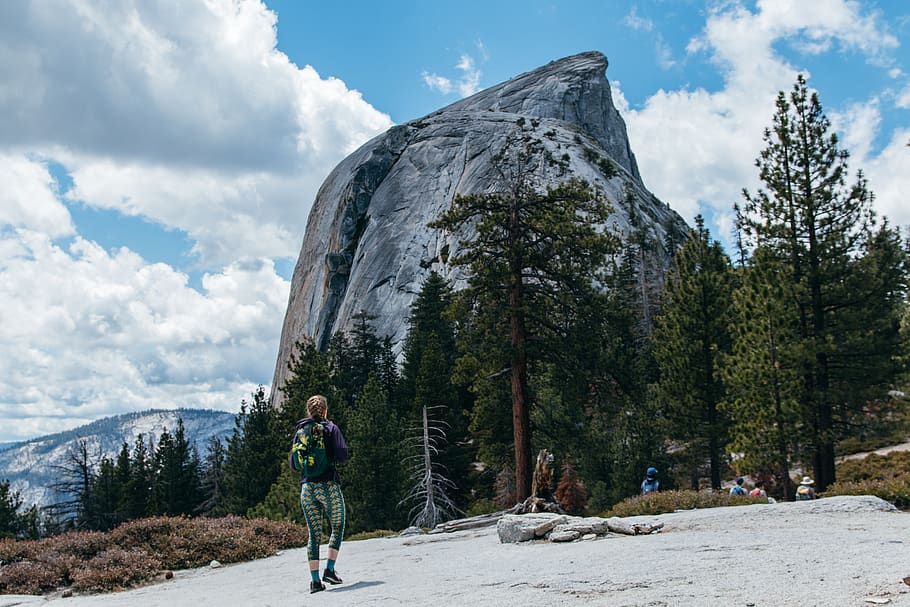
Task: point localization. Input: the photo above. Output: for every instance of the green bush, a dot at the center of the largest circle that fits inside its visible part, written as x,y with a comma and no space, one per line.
875,467
671,501
894,490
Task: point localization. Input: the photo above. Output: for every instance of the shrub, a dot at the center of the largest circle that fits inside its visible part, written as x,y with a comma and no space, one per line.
571,493
875,467
671,501
894,490
115,569
136,551
483,505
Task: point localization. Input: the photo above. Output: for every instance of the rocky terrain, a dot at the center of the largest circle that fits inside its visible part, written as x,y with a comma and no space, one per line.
841,551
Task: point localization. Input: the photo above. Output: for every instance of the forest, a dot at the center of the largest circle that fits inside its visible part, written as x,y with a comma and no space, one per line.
771,360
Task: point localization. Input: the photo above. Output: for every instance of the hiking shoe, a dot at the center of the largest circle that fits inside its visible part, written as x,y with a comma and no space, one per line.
331,576
316,586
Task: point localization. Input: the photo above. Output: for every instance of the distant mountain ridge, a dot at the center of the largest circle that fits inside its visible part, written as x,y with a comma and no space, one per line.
28,464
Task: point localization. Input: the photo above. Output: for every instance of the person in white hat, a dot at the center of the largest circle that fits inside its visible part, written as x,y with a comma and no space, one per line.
805,491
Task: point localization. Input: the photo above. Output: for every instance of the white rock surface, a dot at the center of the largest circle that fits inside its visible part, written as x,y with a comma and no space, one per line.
830,552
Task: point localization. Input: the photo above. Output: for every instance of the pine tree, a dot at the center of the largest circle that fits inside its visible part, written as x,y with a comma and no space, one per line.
175,490
138,491
533,255
764,373
426,380
103,514
692,333
10,502
373,476
818,225
254,458
211,482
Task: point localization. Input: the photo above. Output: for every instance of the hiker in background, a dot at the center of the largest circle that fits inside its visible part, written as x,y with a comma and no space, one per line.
759,490
738,488
805,491
650,484
320,494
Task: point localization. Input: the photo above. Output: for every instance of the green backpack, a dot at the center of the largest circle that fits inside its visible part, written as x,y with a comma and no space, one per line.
308,450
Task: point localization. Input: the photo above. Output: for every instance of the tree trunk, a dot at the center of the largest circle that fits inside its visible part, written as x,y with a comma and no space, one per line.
521,418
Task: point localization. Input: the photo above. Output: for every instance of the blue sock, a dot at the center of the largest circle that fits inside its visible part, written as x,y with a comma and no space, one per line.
314,573
330,565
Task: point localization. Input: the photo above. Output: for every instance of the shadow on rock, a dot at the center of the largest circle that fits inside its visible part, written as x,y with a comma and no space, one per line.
357,586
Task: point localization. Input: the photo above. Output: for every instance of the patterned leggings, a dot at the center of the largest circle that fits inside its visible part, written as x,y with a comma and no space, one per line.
316,499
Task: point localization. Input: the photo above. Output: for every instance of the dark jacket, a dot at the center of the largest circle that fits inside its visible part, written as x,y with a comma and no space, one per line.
335,446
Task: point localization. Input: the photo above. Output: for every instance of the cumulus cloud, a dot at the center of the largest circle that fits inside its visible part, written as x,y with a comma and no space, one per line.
154,109
28,198
694,133
88,333
467,84
184,114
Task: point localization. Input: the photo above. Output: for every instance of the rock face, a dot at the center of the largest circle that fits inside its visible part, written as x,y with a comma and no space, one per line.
367,246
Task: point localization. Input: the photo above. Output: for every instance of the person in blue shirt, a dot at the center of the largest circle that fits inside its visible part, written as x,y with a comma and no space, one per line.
738,488
650,484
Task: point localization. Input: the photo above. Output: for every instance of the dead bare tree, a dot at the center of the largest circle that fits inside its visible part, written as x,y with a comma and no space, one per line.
433,505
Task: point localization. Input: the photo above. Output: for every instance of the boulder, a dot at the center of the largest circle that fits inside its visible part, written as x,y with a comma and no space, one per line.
514,528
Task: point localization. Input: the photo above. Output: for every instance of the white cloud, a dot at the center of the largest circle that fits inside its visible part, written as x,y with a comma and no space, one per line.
187,115
887,174
664,53
146,104
89,333
692,134
467,84
438,83
859,123
28,199
635,22
903,98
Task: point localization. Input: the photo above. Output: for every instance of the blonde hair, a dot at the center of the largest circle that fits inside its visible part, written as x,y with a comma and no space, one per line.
316,406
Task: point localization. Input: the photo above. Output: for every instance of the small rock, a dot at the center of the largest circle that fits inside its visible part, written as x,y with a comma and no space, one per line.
589,536
168,575
877,600
907,580
67,594
214,564
412,530
564,535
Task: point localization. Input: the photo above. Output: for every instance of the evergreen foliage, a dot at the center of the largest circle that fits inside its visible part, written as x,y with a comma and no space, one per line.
254,458
175,490
211,480
822,229
692,334
532,257
374,474
764,373
10,502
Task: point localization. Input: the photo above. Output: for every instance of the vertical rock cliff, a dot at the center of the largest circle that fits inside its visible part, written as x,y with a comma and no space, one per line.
367,246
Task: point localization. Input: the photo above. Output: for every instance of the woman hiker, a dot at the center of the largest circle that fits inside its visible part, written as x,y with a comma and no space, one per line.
320,494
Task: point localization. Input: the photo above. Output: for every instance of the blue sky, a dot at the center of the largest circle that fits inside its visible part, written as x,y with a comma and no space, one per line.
158,158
